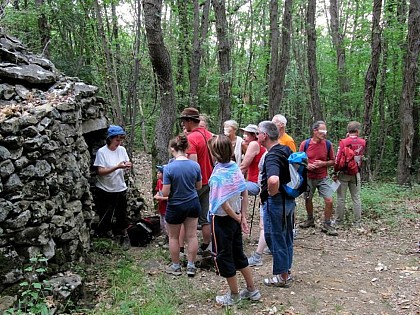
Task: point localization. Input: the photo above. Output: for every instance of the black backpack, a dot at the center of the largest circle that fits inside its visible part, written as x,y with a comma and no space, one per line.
140,233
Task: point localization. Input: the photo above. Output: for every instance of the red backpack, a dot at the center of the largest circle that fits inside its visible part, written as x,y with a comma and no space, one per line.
347,163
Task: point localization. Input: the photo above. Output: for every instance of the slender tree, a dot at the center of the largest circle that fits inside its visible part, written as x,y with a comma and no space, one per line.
371,81
224,48
111,77
278,65
316,109
407,96
162,67
44,28
337,35
199,35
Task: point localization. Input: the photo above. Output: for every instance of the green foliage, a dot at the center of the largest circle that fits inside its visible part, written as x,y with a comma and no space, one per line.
32,297
76,49
383,201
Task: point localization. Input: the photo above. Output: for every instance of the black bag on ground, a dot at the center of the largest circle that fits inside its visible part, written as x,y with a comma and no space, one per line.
153,222
140,234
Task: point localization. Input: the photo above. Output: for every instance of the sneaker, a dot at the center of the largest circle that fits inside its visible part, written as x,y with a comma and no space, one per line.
125,242
191,270
255,260
308,223
228,299
329,229
277,281
172,270
267,251
250,295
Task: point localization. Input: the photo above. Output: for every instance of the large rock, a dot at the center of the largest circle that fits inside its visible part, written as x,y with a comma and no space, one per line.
31,73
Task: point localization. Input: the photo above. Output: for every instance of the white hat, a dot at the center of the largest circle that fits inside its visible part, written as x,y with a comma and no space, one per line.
250,128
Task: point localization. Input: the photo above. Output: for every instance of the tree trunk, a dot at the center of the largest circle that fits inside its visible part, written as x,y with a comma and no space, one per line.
184,53
161,62
316,110
405,156
111,79
199,35
383,126
132,97
338,42
225,83
371,81
274,54
44,29
277,82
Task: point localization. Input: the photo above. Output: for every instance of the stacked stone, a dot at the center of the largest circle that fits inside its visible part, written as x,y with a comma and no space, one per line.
45,198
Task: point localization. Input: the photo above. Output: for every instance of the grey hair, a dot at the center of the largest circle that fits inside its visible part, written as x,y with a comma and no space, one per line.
231,123
353,126
279,119
317,124
270,129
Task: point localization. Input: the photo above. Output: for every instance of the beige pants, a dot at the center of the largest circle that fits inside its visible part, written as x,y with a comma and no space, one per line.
353,183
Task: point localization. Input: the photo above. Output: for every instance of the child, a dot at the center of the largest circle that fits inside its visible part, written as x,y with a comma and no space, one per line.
228,208
162,201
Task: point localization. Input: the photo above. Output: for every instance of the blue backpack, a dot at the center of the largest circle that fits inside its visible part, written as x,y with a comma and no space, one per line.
298,184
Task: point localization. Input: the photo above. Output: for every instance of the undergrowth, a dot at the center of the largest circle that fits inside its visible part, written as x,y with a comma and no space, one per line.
131,288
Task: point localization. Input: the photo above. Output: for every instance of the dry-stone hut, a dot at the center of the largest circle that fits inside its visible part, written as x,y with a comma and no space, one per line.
48,127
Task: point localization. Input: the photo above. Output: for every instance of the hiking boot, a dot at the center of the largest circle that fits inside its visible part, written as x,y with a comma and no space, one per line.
267,251
250,295
255,260
125,242
228,299
191,270
307,224
329,229
173,270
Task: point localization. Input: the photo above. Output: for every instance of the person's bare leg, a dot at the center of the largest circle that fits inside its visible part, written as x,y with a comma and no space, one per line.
328,209
206,232
173,231
190,225
247,274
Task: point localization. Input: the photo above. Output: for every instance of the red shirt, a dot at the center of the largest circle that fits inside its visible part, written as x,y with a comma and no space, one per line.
253,170
197,140
161,203
355,143
317,151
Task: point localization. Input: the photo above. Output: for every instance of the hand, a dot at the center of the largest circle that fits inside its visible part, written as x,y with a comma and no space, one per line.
319,163
244,226
334,177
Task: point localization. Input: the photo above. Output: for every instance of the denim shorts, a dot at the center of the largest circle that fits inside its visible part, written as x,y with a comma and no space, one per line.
176,214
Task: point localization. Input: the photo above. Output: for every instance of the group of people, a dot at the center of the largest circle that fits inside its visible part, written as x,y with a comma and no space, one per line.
207,183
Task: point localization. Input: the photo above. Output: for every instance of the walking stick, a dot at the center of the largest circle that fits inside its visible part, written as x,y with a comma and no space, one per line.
252,215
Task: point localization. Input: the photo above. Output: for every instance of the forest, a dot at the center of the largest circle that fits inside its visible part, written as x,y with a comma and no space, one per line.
246,60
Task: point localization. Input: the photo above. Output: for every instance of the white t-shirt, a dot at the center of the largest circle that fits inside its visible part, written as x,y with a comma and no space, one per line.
113,182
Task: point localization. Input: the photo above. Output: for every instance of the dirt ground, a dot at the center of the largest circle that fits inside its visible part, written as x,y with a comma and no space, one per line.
371,270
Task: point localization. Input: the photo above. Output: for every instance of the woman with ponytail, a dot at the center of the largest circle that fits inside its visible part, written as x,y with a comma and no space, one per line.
181,179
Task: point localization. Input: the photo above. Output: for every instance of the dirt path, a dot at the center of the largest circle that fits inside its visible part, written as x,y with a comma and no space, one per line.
373,270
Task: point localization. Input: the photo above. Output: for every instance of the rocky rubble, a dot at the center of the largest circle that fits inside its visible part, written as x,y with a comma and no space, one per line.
49,129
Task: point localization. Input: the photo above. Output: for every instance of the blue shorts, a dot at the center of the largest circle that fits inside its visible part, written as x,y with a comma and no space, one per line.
176,214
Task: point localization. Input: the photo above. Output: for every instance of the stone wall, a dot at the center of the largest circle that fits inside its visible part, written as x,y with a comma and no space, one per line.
45,161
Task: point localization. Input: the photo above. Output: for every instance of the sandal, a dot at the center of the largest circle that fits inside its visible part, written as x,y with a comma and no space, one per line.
276,281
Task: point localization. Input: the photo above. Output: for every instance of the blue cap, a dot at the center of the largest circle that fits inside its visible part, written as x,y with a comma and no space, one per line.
114,130
160,168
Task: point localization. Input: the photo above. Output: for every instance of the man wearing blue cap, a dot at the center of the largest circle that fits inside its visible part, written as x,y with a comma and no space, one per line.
111,161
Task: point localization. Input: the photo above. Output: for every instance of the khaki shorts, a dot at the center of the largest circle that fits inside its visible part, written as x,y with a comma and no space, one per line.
204,197
323,186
